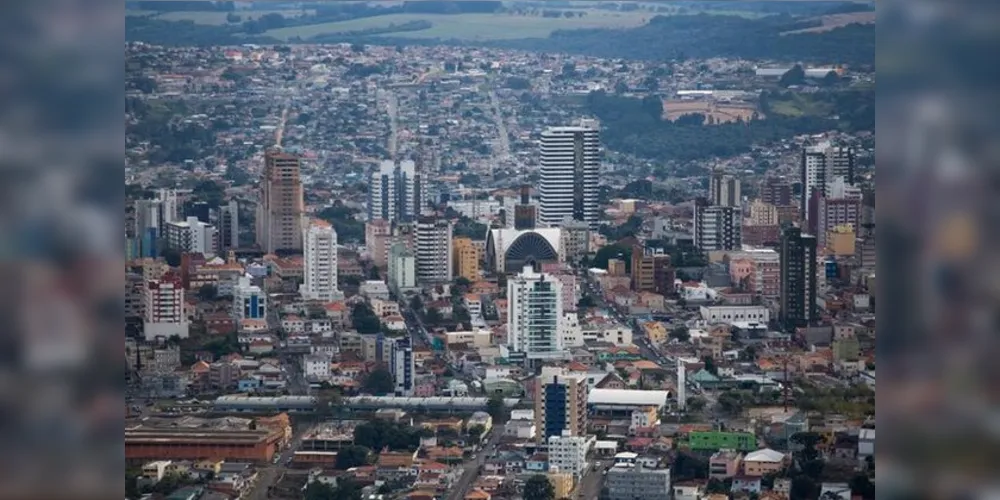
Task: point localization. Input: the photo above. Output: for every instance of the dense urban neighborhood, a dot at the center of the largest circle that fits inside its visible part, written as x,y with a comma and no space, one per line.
360,267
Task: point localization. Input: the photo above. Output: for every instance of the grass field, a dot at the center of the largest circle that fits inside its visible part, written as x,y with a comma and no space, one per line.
472,26
800,105
213,18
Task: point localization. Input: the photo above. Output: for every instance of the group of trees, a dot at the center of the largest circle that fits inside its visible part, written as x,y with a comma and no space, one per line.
378,434
538,487
379,382
342,217
364,320
346,489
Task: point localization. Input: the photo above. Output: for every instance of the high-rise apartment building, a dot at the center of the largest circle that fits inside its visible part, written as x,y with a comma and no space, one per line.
319,266
534,307
227,221
378,239
192,236
570,166
466,259
402,271
568,454
560,404
651,271
820,165
281,208
724,190
776,191
575,241
756,270
149,223
249,301
434,250
717,228
402,365
396,192
762,214
165,310
798,279
525,214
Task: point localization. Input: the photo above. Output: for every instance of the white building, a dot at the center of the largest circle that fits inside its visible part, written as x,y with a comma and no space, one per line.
717,227
316,366
402,273
249,301
402,364
320,264
192,236
724,190
628,482
568,454
736,315
535,313
434,250
820,165
165,314
570,169
396,192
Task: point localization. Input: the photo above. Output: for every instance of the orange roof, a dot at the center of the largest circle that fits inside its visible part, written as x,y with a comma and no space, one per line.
477,495
337,306
200,367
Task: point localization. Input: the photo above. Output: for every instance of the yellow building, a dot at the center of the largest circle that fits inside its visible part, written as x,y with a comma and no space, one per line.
655,331
616,267
840,241
562,483
466,258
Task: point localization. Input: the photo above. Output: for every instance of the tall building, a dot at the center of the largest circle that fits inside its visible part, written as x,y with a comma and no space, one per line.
149,223
320,263
762,213
724,190
776,191
651,271
165,314
170,203
192,236
570,168
717,228
836,212
820,165
227,222
534,307
525,214
281,208
396,192
466,259
798,279
402,272
568,454
402,365
378,238
560,404
633,481
249,301
434,254
575,241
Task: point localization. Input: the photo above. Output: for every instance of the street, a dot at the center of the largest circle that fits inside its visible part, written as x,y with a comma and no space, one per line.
472,467
592,481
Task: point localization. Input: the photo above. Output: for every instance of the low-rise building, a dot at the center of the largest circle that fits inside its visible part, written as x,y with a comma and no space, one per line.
630,482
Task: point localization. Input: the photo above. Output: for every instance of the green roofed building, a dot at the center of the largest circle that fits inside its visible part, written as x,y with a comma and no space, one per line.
713,441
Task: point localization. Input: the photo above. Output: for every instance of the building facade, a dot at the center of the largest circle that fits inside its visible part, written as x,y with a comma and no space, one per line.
724,190
192,236
402,272
466,259
434,250
320,262
165,309
378,238
570,166
249,301
717,228
651,271
632,482
820,165
279,215
798,279
534,309
396,192
568,454
560,404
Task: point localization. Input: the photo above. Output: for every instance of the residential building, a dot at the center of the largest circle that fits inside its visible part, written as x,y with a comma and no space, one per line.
535,307
575,240
570,166
249,301
466,259
763,462
776,191
756,270
762,214
840,241
320,263
651,271
724,190
820,165
192,236
616,267
434,250
165,310
378,239
402,273
525,214
841,207
798,279
397,192
568,454
733,315
402,365
724,464
227,223
716,228
560,403
631,482
281,208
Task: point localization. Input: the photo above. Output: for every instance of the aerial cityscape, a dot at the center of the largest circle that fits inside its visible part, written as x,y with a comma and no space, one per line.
500,250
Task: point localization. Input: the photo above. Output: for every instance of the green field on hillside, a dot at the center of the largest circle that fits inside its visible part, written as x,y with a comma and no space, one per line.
472,26
213,18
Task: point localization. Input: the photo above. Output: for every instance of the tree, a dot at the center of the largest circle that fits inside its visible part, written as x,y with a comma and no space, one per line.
379,382
172,256
352,456
416,303
538,487
716,485
476,432
433,316
496,408
681,333
687,467
794,76
696,403
803,488
208,292
586,302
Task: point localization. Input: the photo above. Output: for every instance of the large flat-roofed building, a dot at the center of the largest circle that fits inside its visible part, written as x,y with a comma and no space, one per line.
194,444
622,402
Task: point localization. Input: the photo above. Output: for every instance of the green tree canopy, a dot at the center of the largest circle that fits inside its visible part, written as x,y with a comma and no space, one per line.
379,382
538,487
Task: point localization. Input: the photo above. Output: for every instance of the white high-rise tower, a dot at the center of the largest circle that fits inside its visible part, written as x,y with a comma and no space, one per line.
320,266
570,168
681,385
535,307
